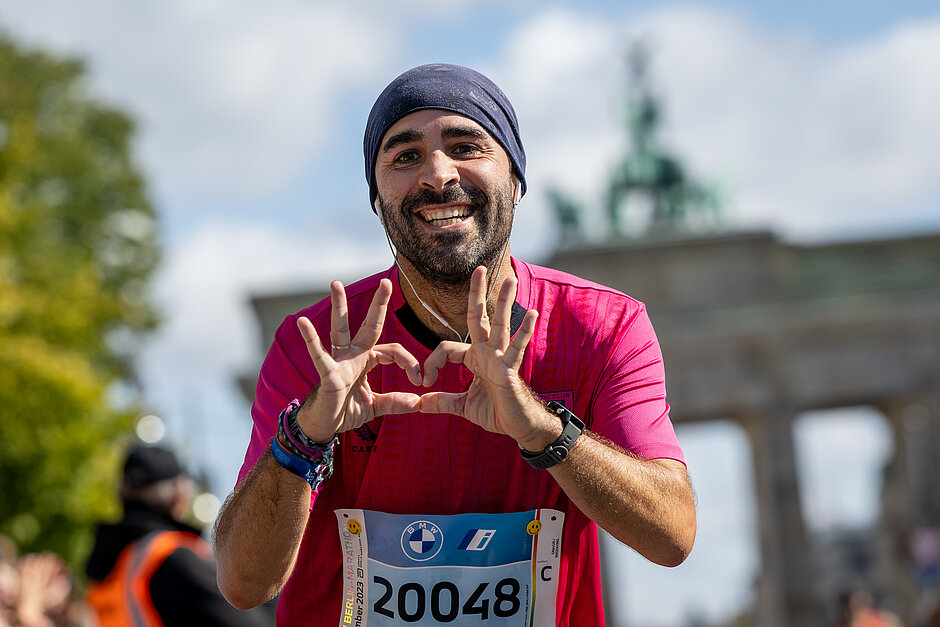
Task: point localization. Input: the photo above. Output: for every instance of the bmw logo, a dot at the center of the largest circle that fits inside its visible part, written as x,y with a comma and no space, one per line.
421,540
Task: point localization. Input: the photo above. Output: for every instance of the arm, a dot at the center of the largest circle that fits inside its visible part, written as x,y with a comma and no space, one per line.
258,533
647,504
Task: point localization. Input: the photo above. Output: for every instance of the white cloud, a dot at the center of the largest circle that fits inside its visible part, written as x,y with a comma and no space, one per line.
816,141
230,98
205,283
562,72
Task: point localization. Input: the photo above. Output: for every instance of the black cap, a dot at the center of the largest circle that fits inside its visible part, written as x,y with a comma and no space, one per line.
146,465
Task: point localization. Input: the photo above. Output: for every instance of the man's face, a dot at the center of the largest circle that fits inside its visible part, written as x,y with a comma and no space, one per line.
445,192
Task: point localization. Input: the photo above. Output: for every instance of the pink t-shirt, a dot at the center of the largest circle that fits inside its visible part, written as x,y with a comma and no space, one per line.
593,350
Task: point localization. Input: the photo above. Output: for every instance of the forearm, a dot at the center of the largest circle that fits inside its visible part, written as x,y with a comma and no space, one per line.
646,504
258,533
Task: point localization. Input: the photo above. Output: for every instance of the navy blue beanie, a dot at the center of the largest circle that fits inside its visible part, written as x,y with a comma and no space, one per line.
452,88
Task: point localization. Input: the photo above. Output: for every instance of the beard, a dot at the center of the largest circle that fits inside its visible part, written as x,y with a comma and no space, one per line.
449,258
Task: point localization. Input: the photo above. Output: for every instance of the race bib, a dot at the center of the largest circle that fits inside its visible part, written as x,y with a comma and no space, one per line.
498,569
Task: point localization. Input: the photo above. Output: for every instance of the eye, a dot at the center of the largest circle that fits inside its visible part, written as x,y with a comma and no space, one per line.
406,156
465,149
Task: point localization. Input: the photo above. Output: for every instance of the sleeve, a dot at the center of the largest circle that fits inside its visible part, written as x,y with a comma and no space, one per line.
185,593
287,373
630,407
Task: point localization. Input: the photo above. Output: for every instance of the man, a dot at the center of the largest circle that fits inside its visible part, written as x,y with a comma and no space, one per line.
152,569
447,395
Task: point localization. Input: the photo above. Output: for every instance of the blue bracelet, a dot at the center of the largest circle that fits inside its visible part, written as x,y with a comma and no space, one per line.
314,474
293,450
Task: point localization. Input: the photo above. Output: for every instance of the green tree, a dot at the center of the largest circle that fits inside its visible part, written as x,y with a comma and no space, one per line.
77,248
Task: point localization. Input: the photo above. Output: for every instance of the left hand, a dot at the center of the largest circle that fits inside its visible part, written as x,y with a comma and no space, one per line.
497,399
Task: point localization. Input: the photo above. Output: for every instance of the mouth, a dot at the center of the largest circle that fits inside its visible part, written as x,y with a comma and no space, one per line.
445,216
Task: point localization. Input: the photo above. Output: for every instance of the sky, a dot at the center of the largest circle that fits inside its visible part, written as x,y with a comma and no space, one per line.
816,120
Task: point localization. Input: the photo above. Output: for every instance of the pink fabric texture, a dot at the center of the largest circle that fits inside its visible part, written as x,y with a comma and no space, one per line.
594,350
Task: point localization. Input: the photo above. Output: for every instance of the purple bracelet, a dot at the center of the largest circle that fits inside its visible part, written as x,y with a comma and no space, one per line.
296,441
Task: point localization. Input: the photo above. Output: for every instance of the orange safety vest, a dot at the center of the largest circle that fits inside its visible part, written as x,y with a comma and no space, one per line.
123,598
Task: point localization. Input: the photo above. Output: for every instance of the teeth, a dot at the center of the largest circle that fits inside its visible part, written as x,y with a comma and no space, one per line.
444,217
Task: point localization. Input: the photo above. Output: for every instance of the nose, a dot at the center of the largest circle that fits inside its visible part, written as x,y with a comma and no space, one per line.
439,171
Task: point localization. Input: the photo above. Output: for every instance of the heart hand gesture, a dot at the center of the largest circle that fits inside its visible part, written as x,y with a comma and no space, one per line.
343,399
497,399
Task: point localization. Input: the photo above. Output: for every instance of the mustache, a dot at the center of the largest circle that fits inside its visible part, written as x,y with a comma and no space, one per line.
453,194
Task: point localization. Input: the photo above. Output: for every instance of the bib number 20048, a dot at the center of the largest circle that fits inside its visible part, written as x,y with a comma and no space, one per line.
412,602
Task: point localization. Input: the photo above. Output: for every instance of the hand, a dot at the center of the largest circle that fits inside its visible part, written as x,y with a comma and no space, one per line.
497,399
45,587
343,400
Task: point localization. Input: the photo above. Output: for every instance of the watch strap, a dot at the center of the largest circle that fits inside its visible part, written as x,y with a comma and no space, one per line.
557,451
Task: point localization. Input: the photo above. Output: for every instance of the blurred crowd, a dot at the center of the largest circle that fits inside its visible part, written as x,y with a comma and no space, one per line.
150,567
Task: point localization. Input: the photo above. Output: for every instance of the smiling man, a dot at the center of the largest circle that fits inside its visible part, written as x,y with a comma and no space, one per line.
437,443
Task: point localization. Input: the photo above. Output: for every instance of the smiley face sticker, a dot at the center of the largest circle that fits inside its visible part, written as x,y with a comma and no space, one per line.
354,527
533,527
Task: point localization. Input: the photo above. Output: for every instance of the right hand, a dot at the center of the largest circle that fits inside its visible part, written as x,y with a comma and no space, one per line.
343,399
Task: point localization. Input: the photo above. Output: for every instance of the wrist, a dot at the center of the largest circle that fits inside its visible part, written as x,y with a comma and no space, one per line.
294,451
307,422
543,427
544,432
556,451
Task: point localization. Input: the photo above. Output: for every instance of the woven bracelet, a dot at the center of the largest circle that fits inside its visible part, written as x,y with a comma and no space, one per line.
295,443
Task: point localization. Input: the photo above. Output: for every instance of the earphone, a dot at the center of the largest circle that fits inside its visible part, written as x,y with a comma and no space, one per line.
378,211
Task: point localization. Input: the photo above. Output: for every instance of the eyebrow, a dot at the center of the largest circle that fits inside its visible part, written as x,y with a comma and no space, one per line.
456,132
451,132
405,137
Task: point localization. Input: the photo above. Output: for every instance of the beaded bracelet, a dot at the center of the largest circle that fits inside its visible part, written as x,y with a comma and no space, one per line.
293,450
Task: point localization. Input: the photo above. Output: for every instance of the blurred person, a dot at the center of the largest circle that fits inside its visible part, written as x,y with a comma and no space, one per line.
37,590
389,495
151,568
857,609
47,594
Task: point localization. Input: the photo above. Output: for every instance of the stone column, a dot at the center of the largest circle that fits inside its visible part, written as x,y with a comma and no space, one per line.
911,505
897,517
787,583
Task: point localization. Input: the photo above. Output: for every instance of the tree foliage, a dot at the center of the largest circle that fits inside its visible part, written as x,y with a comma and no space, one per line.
77,248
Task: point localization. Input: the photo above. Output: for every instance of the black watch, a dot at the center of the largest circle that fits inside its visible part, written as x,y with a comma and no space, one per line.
557,451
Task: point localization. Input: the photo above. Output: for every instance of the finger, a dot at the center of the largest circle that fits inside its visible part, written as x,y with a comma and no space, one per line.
445,352
443,403
320,358
477,321
516,350
371,329
397,354
339,315
499,333
395,403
